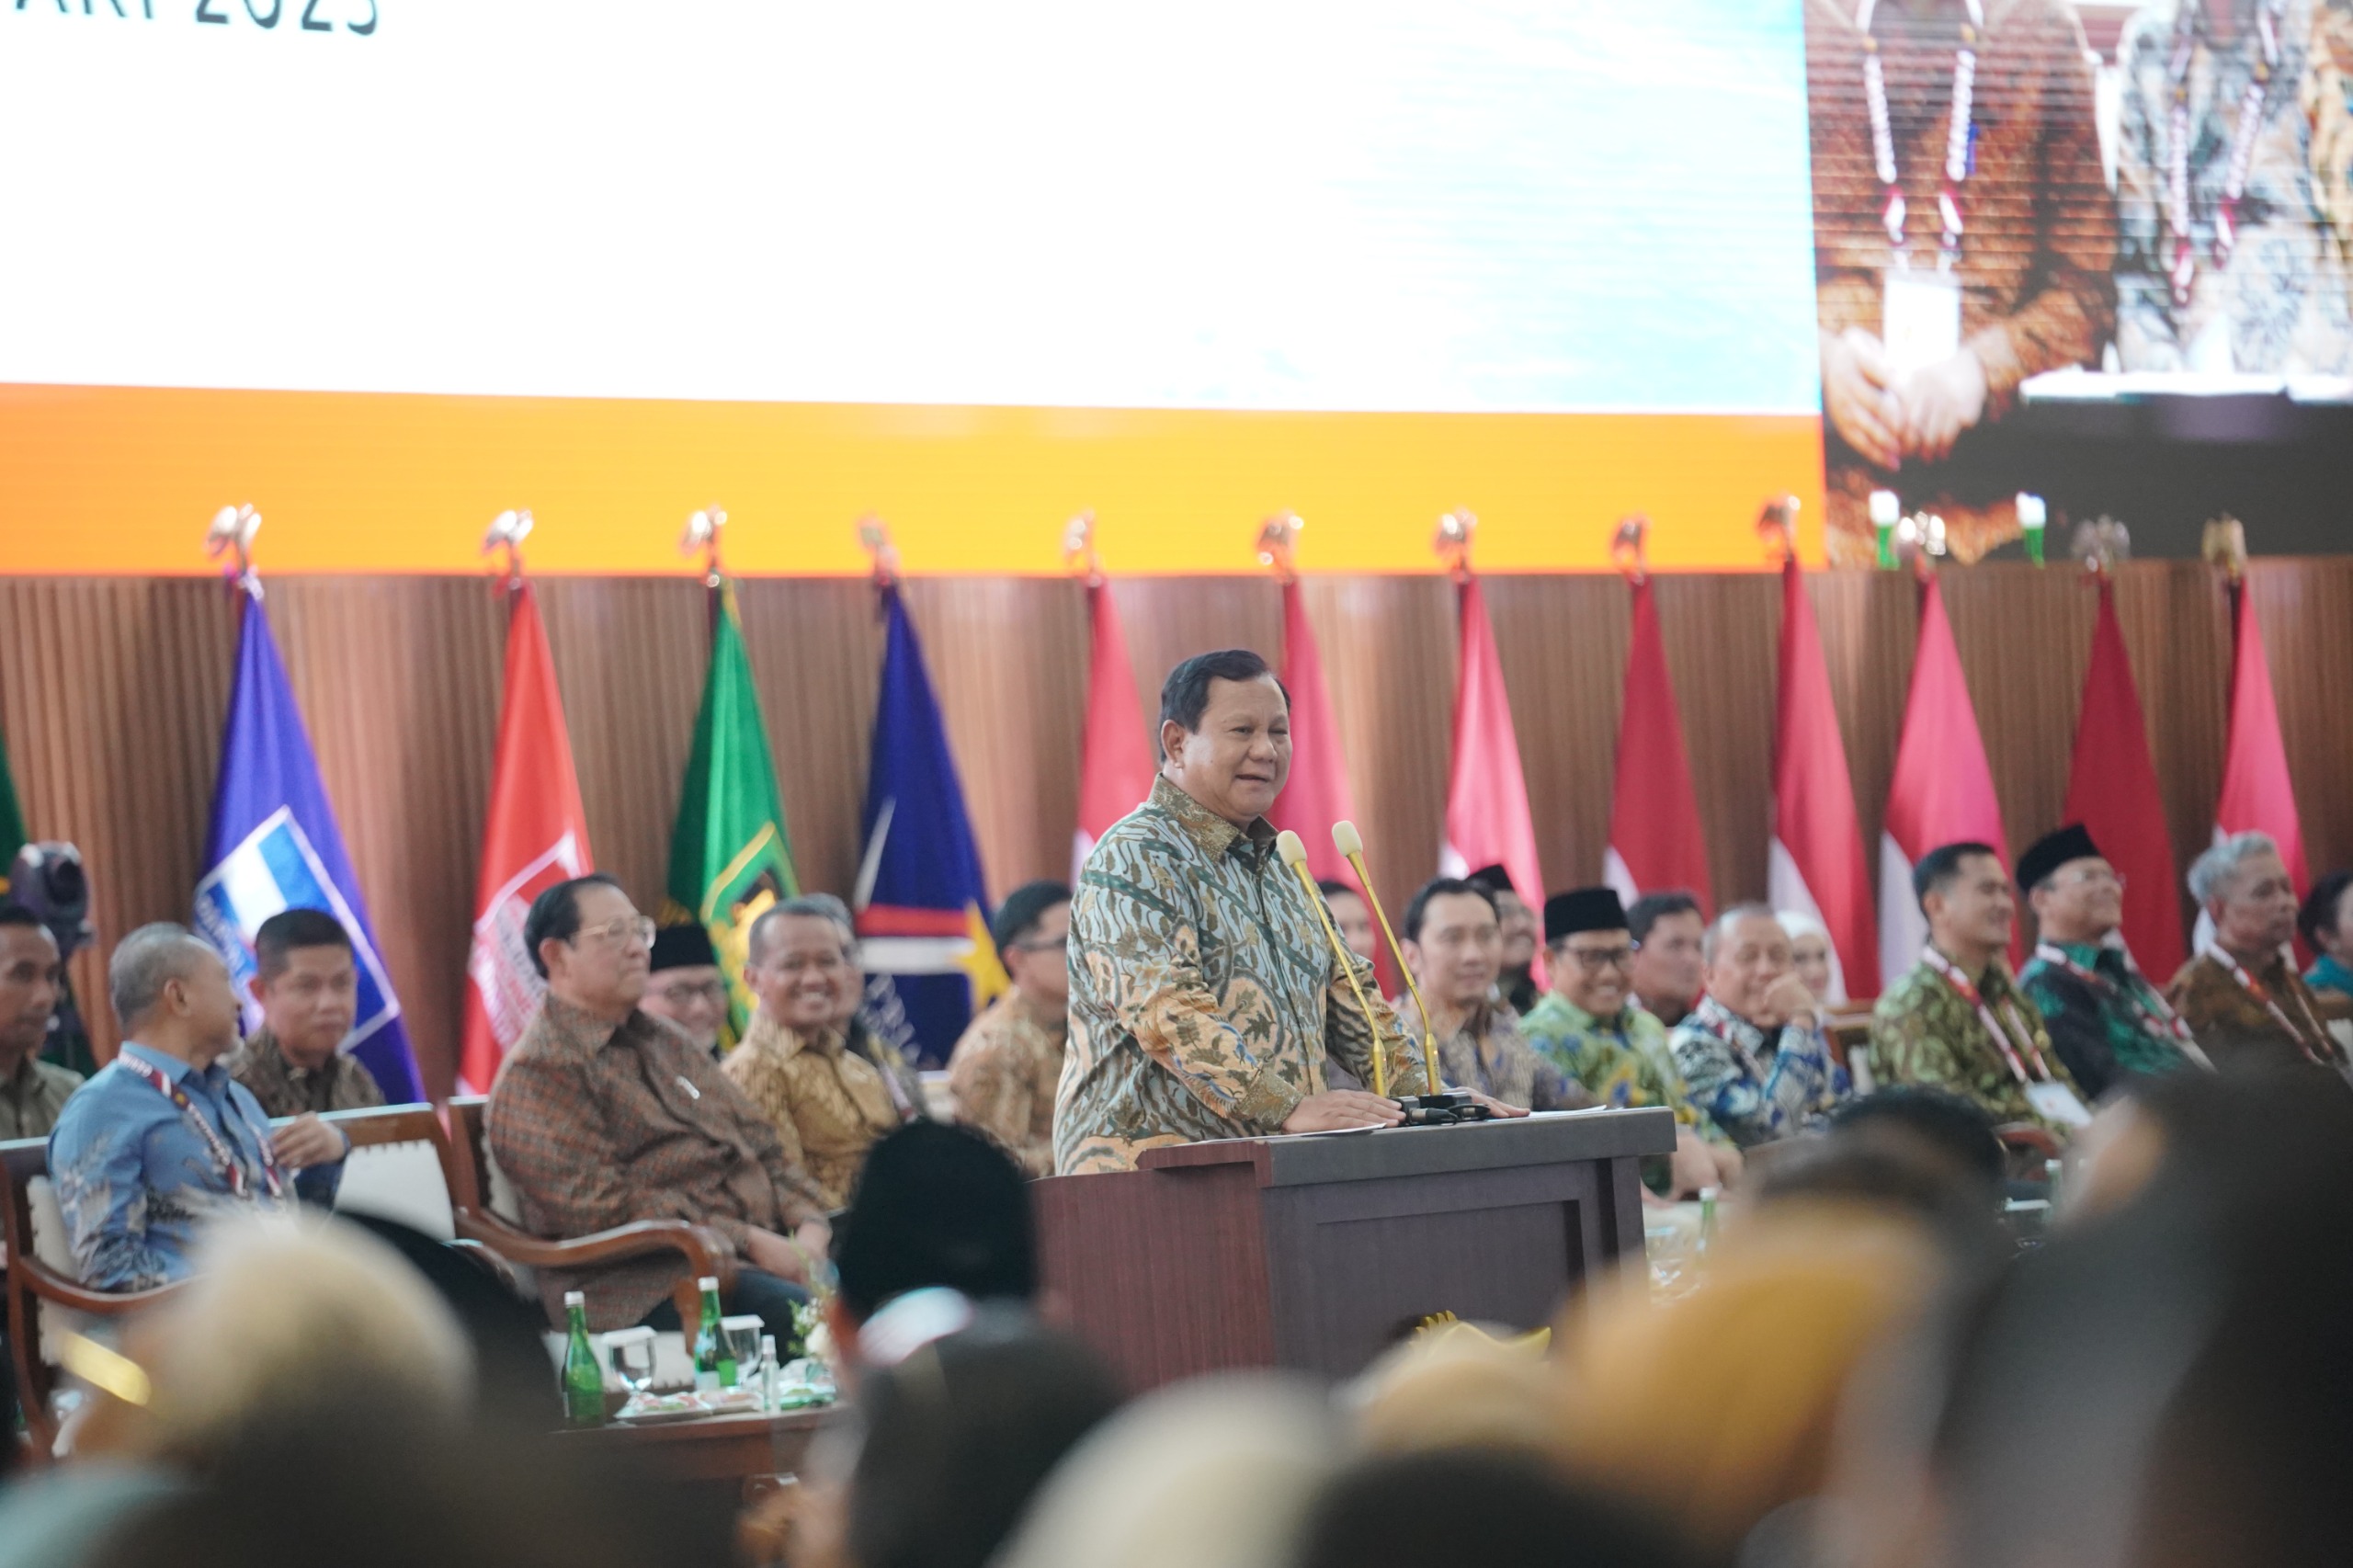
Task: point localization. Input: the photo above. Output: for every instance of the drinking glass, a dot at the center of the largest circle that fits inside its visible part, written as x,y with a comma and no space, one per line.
739,1340
629,1352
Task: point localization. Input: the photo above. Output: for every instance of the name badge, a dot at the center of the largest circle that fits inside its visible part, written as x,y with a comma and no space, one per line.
2057,1102
1920,319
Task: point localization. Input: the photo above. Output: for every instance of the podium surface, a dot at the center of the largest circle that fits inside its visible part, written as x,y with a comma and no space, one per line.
1316,1252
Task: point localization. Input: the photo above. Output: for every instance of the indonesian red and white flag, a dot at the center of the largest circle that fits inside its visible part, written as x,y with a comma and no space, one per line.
1115,757
1317,795
1487,819
536,835
2112,790
1656,842
1815,864
1943,790
2257,796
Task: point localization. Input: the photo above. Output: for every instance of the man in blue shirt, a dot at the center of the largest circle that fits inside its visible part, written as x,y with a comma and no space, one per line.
162,1138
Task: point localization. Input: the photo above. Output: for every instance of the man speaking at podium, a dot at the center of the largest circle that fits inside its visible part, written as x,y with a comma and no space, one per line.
1203,992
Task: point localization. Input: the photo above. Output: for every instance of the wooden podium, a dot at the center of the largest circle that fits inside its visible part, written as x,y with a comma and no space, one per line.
1314,1252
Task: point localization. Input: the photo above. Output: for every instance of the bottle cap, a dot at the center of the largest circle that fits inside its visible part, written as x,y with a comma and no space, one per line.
708,1282
576,1298
768,1345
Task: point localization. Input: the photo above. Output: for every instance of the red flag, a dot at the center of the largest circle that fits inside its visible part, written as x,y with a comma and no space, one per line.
1943,790
2112,790
1317,795
1487,819
1655,843
1815,864
2256,795
1115,760
536,835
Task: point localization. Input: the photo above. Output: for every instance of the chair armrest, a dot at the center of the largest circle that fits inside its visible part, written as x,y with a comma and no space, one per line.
706,1251
2026,1137
50,1285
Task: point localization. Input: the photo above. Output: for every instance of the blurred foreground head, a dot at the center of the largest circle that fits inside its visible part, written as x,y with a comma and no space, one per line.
1219,1472
1472,1508
284,1312
937,1204
1715,1409
2169,1380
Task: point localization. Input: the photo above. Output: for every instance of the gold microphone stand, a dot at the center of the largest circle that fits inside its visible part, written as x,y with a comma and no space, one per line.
1350,844
1294,853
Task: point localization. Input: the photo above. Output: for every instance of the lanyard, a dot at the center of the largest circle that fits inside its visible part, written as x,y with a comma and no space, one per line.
224,1158
1994,1026
2262,993
1957,132
2143,999
2188,25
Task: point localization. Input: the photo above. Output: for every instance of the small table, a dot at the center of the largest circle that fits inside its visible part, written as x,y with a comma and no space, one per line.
742,1447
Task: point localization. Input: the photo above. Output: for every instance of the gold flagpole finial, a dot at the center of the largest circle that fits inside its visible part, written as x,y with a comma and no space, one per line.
1630,548
874,538
1279,545
1776,526
703,535
232,534
1455,530
1078,549
2224,548
508,531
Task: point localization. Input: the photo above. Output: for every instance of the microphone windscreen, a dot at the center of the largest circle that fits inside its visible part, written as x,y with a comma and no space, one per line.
1346,840
1288,845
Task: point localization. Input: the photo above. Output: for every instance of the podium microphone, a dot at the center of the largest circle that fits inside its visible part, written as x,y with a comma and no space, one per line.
1294,853
1350,844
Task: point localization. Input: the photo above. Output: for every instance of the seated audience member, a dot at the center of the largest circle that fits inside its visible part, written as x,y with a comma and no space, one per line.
1957,1021
1809,955
2240,995
161,1140
2105,1019
1453,942
1588,1025
602,1116
308,986
685,985
797,1062
1668,928
1516,983
1503,1510
2327,922
32,978
1003,1072
1752,1053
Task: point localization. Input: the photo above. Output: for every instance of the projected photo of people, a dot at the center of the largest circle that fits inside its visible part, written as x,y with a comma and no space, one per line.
2092,251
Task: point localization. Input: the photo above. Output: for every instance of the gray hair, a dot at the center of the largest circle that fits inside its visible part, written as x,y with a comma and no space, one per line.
810,906
144,962
2210,874
1719,929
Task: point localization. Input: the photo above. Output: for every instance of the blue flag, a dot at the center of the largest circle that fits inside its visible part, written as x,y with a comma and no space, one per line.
275,845
923,911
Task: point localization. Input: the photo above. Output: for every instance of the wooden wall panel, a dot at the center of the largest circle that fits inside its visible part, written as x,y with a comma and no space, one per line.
113,693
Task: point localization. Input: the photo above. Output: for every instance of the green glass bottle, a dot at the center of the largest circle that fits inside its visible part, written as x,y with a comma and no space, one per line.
583,1379
1707,1220
714,1369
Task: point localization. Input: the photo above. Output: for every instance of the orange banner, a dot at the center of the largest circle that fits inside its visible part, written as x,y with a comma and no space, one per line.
123,479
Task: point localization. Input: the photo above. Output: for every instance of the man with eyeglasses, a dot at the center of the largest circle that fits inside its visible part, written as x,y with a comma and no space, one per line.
685,985
2239,993
603,1115
2105,1022
1589,1023
1004,1071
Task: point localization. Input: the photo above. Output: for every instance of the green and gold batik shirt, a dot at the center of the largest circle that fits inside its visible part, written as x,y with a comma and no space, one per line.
1203,994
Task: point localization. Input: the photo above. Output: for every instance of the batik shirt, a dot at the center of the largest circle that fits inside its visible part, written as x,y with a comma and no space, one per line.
2278,305
1488,1053
1625,1061
2111,1026
1757,1087
2232,1021
284,1089
828,1103
136,1182
1003,1074
1203,994
1925,1033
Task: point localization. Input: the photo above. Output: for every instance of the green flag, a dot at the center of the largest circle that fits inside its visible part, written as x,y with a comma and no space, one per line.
12,820
729,857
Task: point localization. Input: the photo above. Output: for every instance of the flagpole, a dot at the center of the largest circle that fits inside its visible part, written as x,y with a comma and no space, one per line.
702,533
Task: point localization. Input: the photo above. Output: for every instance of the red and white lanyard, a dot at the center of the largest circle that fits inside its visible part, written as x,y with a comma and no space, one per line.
224,1158
2262,993
1994,1026
2188,24
1891,175
2141,999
